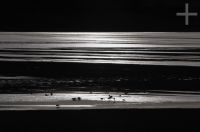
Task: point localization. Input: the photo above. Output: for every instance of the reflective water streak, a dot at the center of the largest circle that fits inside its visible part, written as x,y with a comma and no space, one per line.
104,47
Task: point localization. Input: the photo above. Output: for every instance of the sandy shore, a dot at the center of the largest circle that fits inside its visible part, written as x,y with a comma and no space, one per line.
98,100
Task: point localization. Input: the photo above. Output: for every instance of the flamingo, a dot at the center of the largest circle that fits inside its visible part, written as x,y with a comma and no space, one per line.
110,97
114,100
57,105
102,98
73,99
79,98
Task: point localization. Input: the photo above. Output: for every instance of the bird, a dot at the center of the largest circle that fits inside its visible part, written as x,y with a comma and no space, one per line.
114,100
73,99
102,98
57,105
79,98
110,97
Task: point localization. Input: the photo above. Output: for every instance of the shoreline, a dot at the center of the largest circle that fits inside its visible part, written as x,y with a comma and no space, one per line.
64,101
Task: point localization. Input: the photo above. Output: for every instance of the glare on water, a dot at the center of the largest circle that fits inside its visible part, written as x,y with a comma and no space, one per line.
146,48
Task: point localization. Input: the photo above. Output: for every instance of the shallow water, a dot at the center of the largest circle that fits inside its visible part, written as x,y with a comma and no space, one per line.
97,100
131,98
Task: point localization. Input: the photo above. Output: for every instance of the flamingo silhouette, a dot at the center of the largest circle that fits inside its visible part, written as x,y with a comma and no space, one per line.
79,98
110,97
57,105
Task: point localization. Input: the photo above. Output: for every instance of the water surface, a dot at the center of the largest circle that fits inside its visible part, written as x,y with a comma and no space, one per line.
158,48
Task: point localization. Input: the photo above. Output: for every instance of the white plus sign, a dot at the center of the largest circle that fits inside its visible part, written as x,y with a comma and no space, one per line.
186,14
